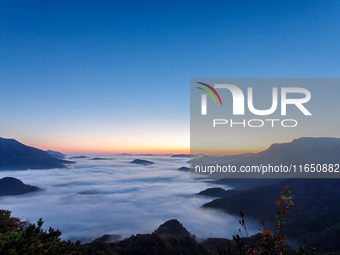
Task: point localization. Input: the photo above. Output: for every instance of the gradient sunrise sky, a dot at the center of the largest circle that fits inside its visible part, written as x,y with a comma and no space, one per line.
114,76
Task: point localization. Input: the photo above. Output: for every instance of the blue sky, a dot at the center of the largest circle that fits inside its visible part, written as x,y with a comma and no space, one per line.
114,76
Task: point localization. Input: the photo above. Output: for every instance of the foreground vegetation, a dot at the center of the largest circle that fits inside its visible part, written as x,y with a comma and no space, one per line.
21,237
314,218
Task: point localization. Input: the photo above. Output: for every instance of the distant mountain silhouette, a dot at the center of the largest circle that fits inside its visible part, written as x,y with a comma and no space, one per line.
218,192
78,157
56,154
299,151
305,150
13,186
101,158
181,156
17,156
184,168
142,162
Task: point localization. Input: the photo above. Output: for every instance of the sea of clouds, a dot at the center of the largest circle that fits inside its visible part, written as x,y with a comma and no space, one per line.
97,197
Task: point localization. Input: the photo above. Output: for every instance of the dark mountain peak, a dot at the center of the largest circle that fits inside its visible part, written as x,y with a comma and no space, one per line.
172,228
169,239
13,186
149,244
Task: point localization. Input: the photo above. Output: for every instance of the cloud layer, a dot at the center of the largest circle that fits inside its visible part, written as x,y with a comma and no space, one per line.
94,198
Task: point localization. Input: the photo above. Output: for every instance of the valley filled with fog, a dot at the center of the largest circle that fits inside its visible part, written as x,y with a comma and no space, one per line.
112,196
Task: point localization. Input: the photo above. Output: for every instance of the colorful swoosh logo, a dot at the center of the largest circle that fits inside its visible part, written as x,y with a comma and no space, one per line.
209,93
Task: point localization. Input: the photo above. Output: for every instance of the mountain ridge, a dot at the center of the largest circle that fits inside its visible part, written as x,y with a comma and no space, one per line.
17,156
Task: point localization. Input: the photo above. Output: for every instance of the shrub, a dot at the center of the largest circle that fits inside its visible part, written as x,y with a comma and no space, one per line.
21,237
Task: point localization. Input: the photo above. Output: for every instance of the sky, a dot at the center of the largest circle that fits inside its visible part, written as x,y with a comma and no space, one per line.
114,76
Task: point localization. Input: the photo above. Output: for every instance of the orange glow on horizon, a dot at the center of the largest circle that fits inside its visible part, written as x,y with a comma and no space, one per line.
152,150
149,150
130,150
102,148
229,151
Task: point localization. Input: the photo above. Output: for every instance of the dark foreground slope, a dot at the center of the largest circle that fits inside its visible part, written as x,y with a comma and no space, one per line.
315,216
17,156
171,238
22,237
